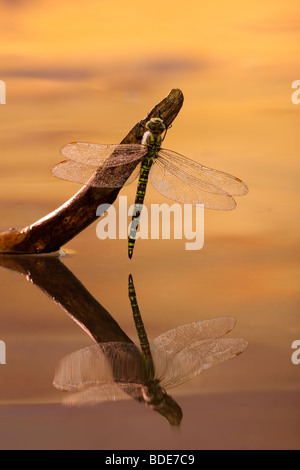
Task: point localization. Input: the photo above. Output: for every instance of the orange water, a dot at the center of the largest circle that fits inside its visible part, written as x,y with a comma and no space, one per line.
77,73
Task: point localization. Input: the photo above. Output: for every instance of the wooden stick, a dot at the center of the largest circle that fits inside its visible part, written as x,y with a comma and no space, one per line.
57,282
50,233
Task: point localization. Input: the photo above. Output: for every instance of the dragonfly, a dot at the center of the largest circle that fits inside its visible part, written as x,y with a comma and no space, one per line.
120,370
171,174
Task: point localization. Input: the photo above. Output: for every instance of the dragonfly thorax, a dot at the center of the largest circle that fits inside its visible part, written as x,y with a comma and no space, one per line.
152,140
152,137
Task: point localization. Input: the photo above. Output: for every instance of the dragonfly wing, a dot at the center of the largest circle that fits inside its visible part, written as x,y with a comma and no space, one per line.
98,154
177,345
185,181
73,171
224,181
103,393
134,175
199,356
97,365
185,189
170,343
85,163
176,339
76,172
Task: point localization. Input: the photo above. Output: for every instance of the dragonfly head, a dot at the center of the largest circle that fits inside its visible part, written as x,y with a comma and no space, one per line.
156,125
158,400
153,394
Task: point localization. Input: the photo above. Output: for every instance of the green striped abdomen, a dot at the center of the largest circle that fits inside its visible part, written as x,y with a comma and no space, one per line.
148,362
153,141
139,200
138,319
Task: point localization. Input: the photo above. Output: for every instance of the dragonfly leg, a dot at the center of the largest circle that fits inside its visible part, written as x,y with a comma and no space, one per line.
167,128
139,134
163,138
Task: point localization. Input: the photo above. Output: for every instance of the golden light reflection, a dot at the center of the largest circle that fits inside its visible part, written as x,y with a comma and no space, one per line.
88,71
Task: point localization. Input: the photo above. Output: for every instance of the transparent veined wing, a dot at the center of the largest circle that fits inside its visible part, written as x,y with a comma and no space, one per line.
104,393
100,373
185,351
134,175
193,359
208,176
99,364
98,154
84,160
177,338
170,343
86,174
186,181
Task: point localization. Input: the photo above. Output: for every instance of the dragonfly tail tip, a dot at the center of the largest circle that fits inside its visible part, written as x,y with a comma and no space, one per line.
130,253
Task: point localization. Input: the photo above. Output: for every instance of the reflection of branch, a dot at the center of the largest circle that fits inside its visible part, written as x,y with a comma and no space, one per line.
59,283
56,229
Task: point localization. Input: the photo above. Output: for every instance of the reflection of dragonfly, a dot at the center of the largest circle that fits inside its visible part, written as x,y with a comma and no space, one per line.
172,174
115,371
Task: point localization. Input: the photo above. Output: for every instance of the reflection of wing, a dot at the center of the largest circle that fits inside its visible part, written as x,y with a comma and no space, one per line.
177,338
99,364
84,159
186,181
104,393
184,352
193,359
